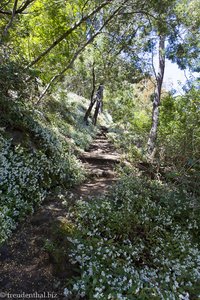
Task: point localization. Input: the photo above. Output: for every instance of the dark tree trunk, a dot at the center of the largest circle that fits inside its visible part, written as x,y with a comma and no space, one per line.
157,98
96,113
88,112
92,99
98,99
19,10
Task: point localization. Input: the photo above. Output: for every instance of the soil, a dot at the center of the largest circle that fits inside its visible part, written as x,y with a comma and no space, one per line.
27,266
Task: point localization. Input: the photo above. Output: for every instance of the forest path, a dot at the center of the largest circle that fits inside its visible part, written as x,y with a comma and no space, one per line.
25,264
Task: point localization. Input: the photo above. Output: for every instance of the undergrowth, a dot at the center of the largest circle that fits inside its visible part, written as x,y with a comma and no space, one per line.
38,152
140,242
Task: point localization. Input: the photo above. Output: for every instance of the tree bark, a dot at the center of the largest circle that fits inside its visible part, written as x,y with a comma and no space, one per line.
92,100
88,112
157,98
96,113
99,101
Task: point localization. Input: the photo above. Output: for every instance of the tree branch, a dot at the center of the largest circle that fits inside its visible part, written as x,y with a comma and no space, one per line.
19,10
24,6
76,54
54,78
3,5
10,22
68,32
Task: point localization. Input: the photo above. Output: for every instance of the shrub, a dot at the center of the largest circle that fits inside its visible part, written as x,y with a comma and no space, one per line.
140,242
25,177
179,139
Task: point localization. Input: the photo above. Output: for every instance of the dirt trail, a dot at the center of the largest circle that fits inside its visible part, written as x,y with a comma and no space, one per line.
25,265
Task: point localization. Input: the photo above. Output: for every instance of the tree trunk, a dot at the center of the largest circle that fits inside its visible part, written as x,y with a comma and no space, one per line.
88,112
96,113
99,103
98,99
92,99
157,98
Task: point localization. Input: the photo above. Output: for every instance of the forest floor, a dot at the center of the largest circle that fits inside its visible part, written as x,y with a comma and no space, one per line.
26,267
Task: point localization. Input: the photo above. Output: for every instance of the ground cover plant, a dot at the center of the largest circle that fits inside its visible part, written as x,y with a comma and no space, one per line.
38,153
137,243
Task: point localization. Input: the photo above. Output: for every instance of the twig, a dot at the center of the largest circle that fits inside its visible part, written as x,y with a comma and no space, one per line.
10,22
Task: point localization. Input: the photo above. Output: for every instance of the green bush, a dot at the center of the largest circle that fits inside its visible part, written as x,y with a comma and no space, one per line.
140,242
25,178
179,139
179,132
13,79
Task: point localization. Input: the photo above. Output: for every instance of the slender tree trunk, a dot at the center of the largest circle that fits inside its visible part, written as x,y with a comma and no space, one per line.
96,113
157,98
92,99
99,103
88,112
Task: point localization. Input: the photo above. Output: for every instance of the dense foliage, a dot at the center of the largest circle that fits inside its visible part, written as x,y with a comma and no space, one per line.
177,154
179,141
136,243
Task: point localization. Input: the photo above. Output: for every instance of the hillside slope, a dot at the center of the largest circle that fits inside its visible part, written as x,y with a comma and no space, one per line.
39,145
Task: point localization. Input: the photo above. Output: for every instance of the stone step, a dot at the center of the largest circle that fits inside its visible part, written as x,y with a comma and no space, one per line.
91,156
101,173
103,151
100,141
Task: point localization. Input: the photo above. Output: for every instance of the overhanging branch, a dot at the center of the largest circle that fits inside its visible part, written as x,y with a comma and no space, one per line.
10,22
76,54
19,10
68,32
